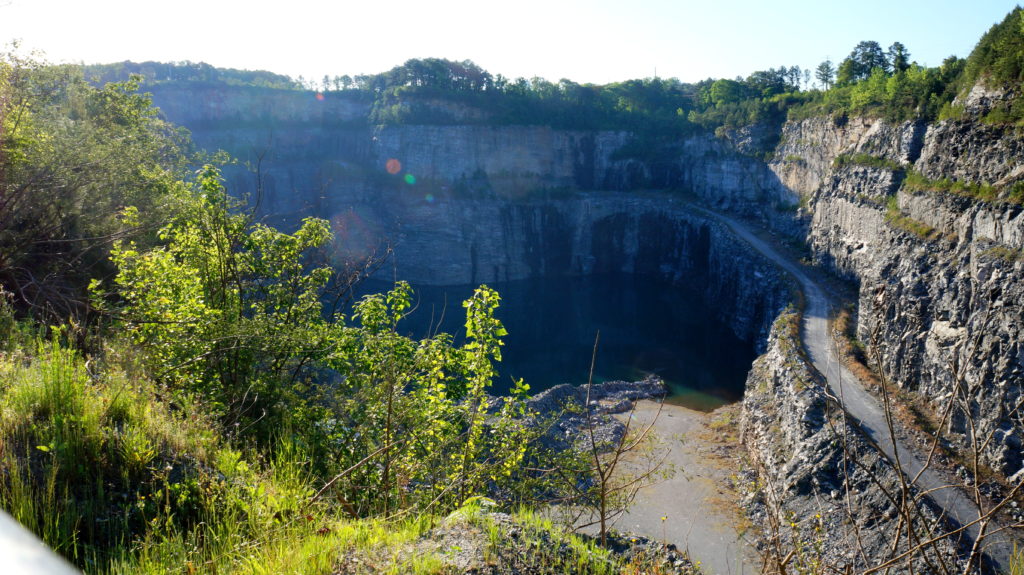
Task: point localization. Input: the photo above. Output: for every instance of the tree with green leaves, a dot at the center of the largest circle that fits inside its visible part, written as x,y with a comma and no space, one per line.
865,57
229,312
998,59
71,157
899,57
825,73
725,91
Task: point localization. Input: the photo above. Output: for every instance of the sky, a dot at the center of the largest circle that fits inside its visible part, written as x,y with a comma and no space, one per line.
594,41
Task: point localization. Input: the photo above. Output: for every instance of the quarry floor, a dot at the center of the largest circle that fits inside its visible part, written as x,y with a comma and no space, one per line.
697,508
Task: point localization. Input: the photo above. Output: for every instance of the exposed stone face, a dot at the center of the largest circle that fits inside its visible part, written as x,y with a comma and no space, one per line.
316,156
827,478
495,203
505,202
972,151
805,154
510,159
943,306
490,240
947,314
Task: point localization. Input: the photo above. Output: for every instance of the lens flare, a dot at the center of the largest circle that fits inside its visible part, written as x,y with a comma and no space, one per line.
319,97
429,198
393,166
355,239
410,179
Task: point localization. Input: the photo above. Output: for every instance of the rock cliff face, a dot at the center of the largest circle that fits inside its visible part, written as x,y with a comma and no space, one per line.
317,156
941,276
823,488
475,203
488,240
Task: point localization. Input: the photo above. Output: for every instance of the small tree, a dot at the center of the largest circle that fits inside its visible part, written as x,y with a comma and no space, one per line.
617,467
227,311
899,57
825,73
865,57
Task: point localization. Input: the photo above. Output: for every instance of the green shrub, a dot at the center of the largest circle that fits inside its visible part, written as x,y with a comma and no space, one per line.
895,217
867,160
916,182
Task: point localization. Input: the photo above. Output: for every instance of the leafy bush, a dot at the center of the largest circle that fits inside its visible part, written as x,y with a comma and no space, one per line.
917,182
895,217
71,157
229,313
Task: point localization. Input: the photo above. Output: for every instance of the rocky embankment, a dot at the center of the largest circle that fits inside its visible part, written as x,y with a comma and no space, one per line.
563,410
940,274
824,492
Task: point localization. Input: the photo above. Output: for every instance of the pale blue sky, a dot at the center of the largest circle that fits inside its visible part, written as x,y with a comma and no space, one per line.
586,41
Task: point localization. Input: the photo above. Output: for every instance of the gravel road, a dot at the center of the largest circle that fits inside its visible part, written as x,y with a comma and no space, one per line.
865,408
700,509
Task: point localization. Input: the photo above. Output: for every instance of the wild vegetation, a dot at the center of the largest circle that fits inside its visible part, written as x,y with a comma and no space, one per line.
870,81
185,388
71,156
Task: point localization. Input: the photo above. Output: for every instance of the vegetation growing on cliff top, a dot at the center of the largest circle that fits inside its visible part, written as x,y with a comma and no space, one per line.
190,72
869,81
999,56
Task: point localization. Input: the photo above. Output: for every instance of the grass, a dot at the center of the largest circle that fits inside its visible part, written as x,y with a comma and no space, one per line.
723,420
898,220
99,465
121,478
1005,253
1016,193
870,199
1010,194
1016,562
551,549
866,160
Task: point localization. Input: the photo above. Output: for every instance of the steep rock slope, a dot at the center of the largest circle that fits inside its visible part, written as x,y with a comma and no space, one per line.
489,240
941,275
821,480
482,203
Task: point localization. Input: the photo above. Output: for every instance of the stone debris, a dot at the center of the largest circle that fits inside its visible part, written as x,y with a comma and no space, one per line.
561,410
488,543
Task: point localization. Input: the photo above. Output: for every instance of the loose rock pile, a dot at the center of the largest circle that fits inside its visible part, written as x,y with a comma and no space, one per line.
561,410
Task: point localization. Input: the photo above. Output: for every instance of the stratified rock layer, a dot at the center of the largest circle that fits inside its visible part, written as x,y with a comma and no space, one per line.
940,275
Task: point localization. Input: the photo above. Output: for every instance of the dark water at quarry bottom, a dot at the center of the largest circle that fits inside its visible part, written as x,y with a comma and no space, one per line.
646,326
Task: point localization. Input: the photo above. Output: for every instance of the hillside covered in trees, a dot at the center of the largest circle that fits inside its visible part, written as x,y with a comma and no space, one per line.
871,80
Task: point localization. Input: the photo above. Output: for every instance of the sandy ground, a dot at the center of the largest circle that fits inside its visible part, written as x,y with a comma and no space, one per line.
698,503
